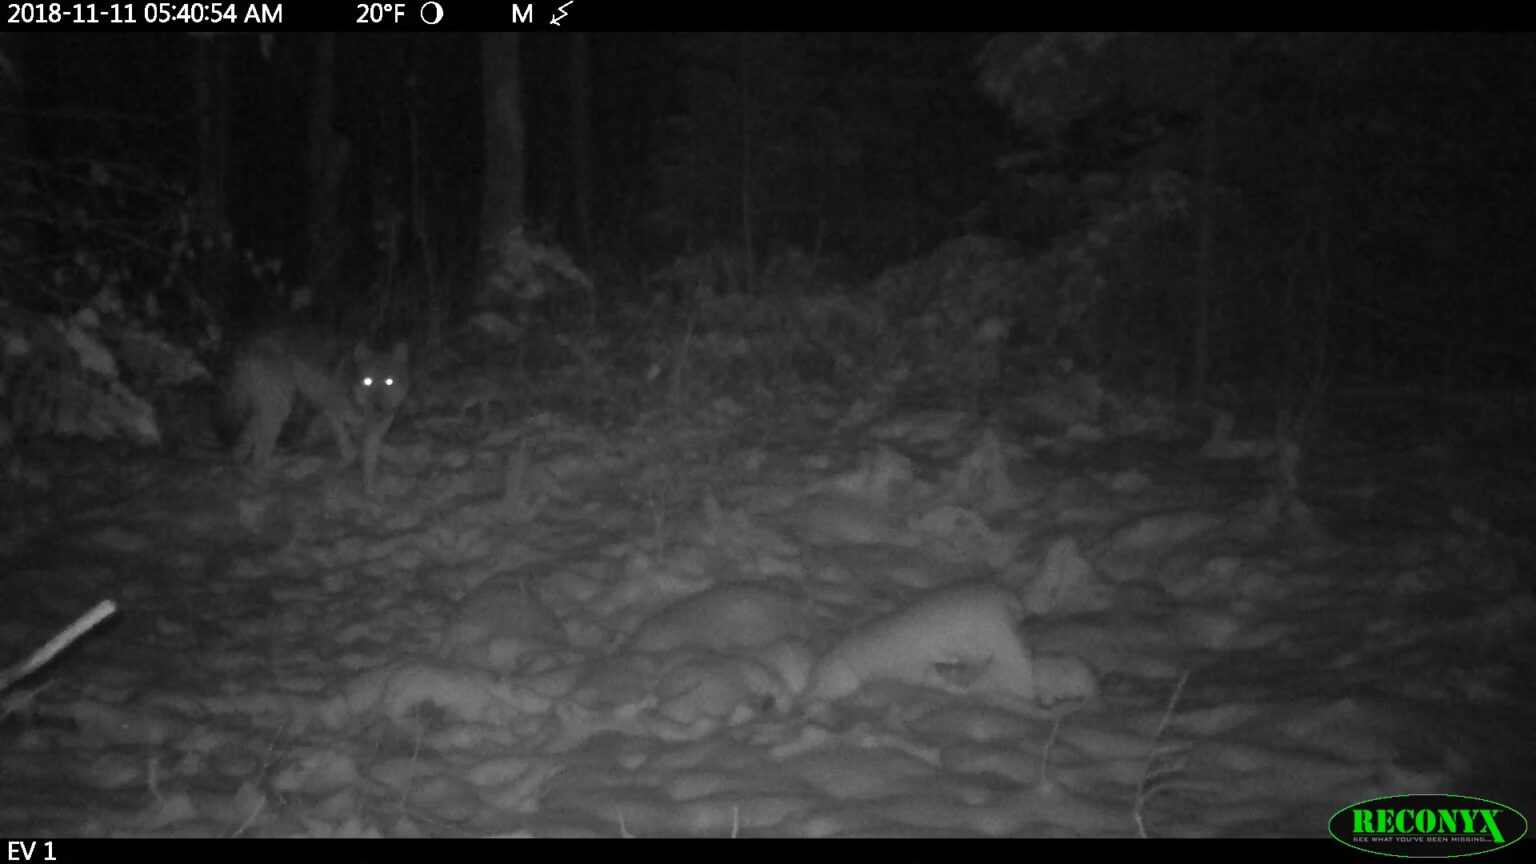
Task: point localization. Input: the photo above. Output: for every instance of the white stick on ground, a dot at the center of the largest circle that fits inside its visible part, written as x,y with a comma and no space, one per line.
58,643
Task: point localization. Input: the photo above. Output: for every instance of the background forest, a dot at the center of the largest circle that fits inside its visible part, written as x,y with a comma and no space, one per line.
1266,219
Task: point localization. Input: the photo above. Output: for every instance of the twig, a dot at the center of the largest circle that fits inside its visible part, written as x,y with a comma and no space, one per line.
58,643
261,804
1045,753
1142,793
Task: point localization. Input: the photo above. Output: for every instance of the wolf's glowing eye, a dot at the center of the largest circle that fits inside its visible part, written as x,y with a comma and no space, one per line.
389,382
367,382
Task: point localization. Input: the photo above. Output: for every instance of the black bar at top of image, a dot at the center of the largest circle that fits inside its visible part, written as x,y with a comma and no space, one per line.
105,16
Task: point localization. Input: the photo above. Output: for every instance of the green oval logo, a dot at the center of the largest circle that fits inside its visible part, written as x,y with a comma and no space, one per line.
1428,826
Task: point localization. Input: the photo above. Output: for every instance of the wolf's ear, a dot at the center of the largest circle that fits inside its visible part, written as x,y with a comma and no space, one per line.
401,353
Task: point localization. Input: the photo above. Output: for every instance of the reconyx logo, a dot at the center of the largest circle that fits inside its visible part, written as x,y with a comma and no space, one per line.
1427,826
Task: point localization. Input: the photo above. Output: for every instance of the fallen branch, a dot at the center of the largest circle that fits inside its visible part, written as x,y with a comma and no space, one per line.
58,643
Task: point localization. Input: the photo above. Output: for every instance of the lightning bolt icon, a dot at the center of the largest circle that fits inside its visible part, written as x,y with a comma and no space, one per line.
560,13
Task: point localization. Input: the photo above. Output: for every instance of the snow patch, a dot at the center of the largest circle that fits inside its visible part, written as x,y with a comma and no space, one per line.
1066,583
722,618
502,624
835,520
961,639
397,692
